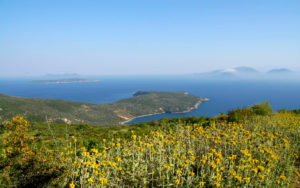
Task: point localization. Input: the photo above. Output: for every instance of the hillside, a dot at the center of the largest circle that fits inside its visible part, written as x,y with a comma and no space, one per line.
61,111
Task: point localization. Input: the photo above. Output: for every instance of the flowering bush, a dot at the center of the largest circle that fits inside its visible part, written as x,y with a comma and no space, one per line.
261,151
22,164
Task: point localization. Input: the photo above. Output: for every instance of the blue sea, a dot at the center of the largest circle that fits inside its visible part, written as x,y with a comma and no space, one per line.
224,95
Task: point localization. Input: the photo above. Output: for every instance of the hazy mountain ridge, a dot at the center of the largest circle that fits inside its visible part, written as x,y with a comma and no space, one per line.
247,72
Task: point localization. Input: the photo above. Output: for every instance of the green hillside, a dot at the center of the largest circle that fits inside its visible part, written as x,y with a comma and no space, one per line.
61,111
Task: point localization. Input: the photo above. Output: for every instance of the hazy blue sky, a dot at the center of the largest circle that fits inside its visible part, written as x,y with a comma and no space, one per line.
147,36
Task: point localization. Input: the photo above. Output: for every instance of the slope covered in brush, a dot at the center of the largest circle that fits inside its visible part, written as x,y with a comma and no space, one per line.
149,102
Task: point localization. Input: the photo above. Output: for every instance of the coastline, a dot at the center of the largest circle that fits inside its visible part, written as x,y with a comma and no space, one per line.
123,122
186,111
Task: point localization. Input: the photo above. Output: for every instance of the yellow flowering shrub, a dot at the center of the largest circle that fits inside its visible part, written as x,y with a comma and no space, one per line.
21,163
260,152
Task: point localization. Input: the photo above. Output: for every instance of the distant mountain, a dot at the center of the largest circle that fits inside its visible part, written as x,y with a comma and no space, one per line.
280,71
230,72
244,72
246,69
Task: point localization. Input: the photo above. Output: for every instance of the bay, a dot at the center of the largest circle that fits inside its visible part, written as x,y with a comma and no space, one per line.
224,95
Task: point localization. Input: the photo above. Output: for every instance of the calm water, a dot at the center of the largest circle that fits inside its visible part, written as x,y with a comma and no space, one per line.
223,95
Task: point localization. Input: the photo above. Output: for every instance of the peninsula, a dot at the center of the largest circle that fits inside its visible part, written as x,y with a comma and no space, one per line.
60,111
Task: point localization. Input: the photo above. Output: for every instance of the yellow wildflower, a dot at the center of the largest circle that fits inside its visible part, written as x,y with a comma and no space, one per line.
71,185
246,180
255,170
218,177
178,171
239,178
133,137
102,180
177,181
261,168
217,184
202,183
283,177
203,161
213,165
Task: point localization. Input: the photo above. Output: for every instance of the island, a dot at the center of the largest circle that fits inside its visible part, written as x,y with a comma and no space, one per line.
63,81
142,103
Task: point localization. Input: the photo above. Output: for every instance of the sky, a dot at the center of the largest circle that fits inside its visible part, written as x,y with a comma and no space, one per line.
113,37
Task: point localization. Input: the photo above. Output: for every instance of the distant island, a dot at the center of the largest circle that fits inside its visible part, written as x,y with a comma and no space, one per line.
60,111
63,81
280,71
65,75
247,73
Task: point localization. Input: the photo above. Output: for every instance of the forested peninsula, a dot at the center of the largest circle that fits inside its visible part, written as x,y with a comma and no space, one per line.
61,111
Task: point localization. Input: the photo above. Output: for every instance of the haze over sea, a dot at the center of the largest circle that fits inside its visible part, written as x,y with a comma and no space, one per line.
224,95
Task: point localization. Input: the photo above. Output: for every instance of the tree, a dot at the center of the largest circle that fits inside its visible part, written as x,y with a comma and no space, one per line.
263,108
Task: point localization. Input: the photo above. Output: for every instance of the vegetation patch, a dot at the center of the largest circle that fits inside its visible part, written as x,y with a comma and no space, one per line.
60,111
189,152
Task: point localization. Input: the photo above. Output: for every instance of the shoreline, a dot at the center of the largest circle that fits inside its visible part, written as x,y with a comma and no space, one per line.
186,111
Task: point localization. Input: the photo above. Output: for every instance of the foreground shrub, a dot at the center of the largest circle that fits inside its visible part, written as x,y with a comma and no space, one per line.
263,109
238,115
22,164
